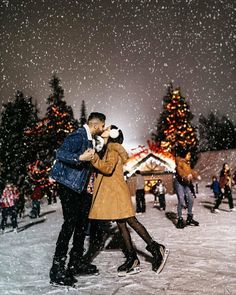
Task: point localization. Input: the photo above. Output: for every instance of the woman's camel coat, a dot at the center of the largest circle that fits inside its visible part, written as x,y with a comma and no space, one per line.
111,197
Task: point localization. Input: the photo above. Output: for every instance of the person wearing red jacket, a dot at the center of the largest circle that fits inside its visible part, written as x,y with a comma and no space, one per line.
7,202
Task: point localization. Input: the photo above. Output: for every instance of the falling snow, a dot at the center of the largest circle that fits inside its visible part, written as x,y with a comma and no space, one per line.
121,54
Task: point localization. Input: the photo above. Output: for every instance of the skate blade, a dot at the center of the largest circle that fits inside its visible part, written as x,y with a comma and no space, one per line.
62,286
131,272
166,254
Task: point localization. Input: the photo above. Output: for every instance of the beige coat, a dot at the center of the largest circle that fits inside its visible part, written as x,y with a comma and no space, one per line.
111,198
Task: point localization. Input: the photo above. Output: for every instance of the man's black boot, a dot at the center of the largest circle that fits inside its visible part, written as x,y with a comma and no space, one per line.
59,276
81,266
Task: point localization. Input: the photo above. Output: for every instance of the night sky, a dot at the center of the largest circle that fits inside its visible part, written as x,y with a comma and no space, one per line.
119,56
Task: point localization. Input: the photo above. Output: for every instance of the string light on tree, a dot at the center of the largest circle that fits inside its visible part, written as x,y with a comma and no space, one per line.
174,129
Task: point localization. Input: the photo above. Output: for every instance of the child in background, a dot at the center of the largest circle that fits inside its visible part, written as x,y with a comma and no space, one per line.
215,186
159,190
8,200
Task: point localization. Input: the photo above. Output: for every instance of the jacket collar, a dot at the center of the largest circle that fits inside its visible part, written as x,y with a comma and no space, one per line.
89,135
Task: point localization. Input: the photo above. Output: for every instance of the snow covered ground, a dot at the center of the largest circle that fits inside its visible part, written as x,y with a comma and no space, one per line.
202,259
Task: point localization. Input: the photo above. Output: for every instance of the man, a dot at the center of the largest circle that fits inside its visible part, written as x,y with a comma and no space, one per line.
140,193
72,171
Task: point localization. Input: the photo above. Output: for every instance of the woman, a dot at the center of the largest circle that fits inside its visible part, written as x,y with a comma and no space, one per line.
112,201
226,188
183,182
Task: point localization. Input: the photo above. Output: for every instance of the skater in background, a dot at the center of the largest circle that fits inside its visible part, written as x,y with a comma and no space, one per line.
159,191
112,201
215,186
20,203
183,179
8,200
36,197
140,193
226,183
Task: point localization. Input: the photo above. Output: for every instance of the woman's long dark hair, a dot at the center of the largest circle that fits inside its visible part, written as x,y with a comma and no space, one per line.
224,171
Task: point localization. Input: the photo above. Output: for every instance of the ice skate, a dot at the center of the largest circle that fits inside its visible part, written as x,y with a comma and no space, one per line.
180,223
160,254
59,276
191,221
131,265
155,203
81,266
213,210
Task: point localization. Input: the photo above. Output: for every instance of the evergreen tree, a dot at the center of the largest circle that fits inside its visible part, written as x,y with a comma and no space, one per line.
216,133
59,117
15,154
56,125
83,114
50,132
174,129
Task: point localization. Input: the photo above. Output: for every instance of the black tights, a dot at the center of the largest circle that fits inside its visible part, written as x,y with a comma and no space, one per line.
137,226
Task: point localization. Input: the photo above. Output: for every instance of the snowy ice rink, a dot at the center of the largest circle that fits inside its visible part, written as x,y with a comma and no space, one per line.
202,259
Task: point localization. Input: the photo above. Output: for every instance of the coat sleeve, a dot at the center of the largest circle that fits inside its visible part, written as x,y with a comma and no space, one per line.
70,150
107,165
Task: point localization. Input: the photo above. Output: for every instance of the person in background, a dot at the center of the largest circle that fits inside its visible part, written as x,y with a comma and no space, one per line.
226,189
112,201
159,190
215,186
8,200
72,170
140,193
183,179
36,197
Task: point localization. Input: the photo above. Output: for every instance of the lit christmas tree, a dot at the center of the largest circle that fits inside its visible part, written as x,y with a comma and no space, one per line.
59,116
174,129
49,133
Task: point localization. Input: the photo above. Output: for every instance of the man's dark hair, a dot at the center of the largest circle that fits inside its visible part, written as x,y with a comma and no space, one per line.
96,115
138,172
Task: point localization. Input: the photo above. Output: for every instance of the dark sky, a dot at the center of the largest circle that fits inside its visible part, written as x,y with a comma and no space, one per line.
119,56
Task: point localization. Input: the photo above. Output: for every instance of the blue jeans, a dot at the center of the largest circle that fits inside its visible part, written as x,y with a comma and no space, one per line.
181,191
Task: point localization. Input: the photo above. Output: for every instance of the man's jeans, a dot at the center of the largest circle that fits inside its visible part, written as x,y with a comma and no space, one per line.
75,208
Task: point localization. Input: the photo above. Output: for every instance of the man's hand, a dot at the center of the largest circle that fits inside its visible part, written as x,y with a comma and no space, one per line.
87,155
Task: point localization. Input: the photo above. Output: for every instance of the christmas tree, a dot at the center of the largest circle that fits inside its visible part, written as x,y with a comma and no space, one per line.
83,114
175,131
15,154
59,116
50,133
